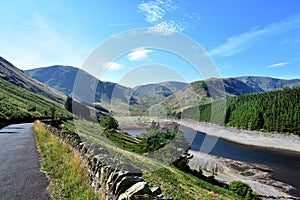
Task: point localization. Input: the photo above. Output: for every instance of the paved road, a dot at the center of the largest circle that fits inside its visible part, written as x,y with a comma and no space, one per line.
20,177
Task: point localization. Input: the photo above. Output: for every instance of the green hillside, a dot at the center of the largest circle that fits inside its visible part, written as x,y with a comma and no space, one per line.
20,105
18,78
271,111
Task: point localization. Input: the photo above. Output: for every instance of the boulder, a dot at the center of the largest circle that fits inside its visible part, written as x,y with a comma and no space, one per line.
125,183
156,191
138,190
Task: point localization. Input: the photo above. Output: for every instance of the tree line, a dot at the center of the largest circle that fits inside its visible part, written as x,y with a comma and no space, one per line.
277,111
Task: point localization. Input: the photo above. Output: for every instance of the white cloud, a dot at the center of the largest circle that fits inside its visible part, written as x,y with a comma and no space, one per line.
170,25
238,43
138,54
278,65
155,10
112,66
160,14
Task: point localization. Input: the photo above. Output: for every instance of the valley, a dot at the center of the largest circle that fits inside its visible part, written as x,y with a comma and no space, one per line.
151,113
150,100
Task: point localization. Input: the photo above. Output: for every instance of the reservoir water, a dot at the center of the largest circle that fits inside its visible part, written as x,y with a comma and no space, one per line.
285,164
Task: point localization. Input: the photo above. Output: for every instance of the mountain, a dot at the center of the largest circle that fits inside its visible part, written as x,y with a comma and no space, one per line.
12,74
58,77
151,94
267,83
63,78
174,95
202,92
164,89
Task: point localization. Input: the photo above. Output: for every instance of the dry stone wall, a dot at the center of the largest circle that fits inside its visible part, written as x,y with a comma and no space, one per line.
113,180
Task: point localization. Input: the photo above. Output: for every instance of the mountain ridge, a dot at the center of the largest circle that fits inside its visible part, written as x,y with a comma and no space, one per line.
63,78
204,91
268,83
172,94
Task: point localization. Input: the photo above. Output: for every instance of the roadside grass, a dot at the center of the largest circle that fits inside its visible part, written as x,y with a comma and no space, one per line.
68,176
174,183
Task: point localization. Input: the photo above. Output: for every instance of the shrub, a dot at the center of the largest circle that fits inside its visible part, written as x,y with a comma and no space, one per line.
108,122
243,190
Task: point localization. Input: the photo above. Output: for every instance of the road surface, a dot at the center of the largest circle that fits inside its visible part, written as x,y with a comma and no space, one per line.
20,177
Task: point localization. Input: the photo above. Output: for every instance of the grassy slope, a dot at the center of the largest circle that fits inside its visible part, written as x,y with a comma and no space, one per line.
17,104
18,78
68,177
173,182
181,185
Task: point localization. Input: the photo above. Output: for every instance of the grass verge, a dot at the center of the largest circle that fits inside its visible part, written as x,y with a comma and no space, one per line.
68,176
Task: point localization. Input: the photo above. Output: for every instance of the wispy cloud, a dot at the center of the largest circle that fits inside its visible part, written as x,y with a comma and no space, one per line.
155,10
138,54
238,43
278,65
170,25
160,13
113,66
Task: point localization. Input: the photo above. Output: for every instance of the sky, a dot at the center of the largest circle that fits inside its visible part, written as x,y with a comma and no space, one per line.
241,37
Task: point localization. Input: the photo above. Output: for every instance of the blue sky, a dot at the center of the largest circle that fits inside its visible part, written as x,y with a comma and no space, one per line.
242,37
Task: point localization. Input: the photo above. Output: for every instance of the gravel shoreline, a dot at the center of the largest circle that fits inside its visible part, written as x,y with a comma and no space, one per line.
255,138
